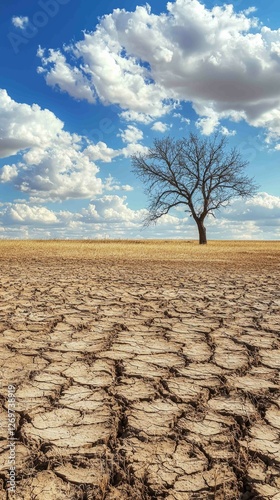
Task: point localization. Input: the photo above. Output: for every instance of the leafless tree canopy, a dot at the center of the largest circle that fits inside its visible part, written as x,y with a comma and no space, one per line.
201,174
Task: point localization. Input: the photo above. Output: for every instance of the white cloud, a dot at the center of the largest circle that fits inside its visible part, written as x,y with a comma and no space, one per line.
106,73
20,213
69,79
134,116
110,216
111,184
23,126
227,132
250,10
220,60
112,208
59,174
20,21
133,148
8,172
131,134
265,200
55,165
127,187
209,123
160,127
101,152
182,118
263,209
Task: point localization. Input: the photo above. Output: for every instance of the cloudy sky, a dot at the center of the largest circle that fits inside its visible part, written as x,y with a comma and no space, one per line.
83,85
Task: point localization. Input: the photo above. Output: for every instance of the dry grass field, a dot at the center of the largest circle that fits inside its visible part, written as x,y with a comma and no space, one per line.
170,251
143,369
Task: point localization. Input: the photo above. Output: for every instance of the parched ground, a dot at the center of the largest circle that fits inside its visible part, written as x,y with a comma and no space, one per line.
142,370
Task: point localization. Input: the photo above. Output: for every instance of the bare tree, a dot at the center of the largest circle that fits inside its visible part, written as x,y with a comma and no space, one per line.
200,173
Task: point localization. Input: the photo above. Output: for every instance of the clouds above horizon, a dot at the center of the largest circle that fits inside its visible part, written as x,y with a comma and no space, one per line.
110,216
224,62
23,126
133,77
54,165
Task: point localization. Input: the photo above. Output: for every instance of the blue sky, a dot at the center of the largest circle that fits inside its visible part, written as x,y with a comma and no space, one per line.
85,85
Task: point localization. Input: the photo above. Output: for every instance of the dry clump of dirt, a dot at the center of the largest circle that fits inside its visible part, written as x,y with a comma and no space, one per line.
155,381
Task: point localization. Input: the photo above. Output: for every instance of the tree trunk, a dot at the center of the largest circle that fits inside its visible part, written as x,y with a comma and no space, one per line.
202,232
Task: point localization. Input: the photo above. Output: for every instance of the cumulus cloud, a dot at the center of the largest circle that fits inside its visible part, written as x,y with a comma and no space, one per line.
222,61
20,21
134,116
8,172
131,134
160,127
59,174
265,200
209,122
54,165
110,216
62,75
107,74
20,213
260,208
182,118
101,152
112,208
23,126
134,148
227,132
111,184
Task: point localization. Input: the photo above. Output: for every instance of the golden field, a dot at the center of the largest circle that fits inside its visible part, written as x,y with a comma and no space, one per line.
152,250
142,369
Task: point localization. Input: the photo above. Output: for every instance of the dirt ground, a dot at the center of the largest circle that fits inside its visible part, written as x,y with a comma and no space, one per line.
142,371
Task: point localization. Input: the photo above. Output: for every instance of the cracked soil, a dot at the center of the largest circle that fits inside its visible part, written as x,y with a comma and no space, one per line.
139,376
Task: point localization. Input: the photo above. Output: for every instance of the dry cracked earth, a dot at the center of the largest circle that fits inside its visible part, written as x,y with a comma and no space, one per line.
141,381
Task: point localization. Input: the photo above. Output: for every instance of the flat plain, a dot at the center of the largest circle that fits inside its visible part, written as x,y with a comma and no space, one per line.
143,369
